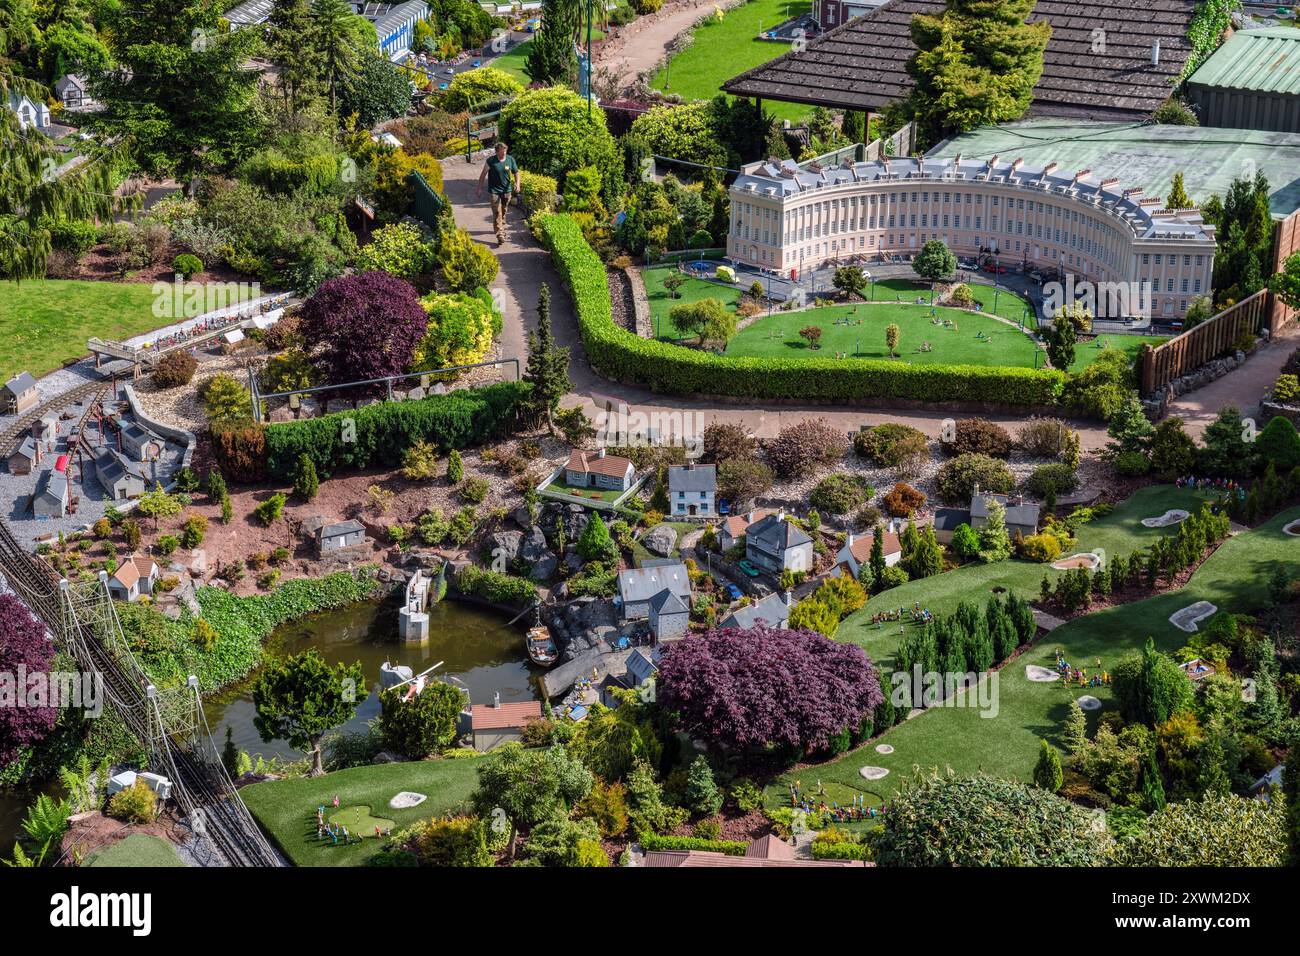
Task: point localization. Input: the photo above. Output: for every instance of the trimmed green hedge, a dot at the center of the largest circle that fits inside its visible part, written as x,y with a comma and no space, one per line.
385,430
495,587
651,843
839,851
619,354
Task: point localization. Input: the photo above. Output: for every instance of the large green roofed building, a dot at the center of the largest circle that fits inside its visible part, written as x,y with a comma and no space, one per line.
1145,156
1251,82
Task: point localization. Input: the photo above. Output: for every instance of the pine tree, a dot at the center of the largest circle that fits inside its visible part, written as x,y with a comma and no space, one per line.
455,467
1048,774
548,364
976,64
702,795
877,559
216,486
305,482
290,30
1150,785
1178,198
595,544
1075,734
551,59
230,754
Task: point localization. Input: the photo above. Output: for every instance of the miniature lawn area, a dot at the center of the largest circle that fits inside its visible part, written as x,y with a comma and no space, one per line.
44,324
641,554
723,49
139,849
973,339
1085,353
1007,744
286,809
560,486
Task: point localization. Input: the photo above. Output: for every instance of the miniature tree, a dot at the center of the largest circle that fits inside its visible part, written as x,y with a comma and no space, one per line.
935,261
812,334
365,326
424,724
850,281
702,794
269,511
305,482
595,544
301,698
1178,198
529,786
1048,773
673,282
1076,728
892,334
158,504
548,364
455,467
23,647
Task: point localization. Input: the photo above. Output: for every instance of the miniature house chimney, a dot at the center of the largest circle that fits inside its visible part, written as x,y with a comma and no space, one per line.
496,699
852,537
780,515
786,597
1155,52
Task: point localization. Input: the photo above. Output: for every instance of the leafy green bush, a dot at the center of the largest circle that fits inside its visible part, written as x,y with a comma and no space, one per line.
840,492
1057,476
1130,464
400,249
621,355
891,444
1041,548
494,586
134,804
187,264
980,436
385,430
957,479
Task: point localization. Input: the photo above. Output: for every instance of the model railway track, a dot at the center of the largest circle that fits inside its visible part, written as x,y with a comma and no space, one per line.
202,788
12,436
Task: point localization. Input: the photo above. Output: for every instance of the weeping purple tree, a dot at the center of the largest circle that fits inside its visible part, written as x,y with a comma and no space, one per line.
25,651
367,326
745,688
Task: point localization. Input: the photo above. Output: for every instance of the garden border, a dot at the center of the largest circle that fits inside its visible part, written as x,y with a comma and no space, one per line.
621,356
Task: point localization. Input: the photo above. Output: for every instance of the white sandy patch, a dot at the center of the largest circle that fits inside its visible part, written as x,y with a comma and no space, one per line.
1041,675
407,799
1172,516
1187,618
884,749
1088,702
874,773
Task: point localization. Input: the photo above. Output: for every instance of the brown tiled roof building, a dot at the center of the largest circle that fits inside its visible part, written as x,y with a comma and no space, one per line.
1098,63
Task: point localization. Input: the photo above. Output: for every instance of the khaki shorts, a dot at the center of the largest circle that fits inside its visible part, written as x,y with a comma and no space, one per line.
499,205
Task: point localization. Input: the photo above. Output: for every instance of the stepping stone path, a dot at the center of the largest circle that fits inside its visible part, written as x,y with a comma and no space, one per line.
1187,618
1172,516
884,749
1088,702
407,799
874,773
1041,675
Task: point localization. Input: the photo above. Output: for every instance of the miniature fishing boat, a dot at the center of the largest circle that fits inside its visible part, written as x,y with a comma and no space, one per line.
541,649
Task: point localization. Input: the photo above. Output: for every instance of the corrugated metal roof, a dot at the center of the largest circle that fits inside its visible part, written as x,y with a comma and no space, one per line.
1264,61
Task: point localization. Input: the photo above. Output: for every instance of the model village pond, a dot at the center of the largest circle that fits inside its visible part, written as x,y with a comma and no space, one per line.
478,646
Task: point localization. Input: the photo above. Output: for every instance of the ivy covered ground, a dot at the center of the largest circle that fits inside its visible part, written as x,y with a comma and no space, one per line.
1234,578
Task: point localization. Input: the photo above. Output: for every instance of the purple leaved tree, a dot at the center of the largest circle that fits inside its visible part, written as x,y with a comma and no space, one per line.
744,688
24,650
367,326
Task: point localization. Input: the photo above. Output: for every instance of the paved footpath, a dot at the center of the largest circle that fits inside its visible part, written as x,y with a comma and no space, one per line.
525,266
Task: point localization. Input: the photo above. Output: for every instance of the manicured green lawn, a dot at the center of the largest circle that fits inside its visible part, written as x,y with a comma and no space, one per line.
46,323
1004,740
1085,353
287,808
726,49
973,339
513,62
579,491
139,849
640,554
692,290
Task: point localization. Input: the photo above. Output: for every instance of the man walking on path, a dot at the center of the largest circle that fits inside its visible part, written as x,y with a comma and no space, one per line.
502,175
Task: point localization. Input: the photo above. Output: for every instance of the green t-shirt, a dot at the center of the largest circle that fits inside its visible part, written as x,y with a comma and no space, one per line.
501,174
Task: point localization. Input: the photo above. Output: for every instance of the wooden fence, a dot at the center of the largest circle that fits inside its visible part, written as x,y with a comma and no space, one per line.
1163,363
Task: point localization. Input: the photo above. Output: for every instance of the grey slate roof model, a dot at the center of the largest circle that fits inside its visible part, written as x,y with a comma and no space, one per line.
642,664
666,602
20,383
692,478
862,64
341,528
772,610
642,584
947,519
774,534
1022,513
